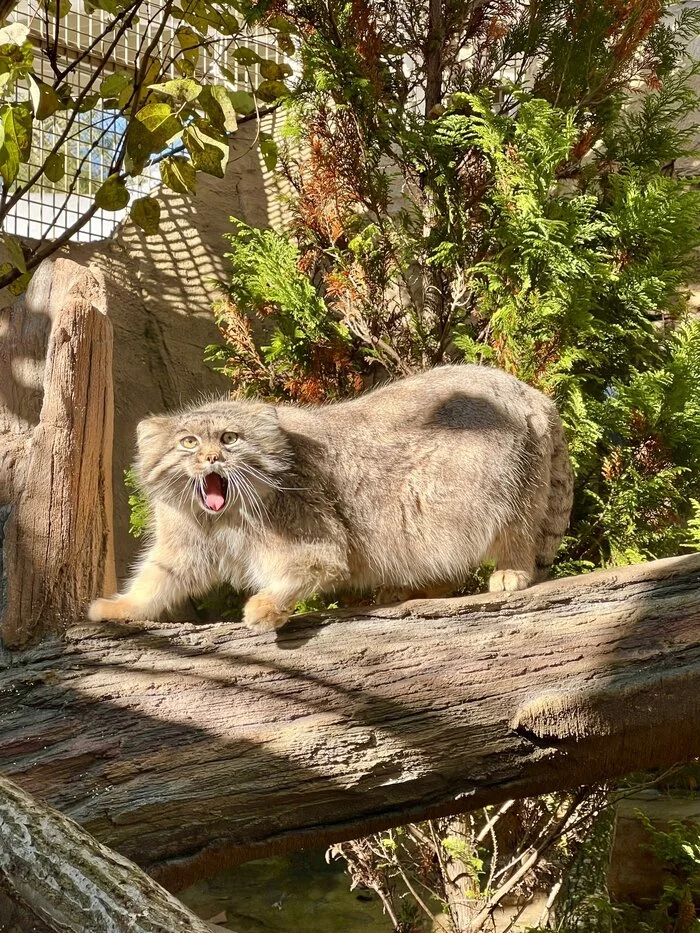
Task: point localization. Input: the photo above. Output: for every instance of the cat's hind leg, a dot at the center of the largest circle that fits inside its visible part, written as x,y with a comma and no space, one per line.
513,553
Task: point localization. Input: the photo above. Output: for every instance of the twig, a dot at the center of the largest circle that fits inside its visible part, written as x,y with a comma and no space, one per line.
529,860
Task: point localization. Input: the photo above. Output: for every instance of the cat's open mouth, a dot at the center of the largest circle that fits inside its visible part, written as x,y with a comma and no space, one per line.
214,492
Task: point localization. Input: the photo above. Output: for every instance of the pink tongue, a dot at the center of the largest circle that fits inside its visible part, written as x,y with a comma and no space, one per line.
214,492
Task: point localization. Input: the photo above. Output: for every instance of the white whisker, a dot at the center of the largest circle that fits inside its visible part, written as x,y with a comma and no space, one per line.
254,502
268,480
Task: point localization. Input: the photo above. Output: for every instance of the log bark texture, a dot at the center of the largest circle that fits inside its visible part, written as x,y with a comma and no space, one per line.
57,541
61,878
184,745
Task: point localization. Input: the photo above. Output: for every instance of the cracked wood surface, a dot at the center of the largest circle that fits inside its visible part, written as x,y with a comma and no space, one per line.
186,745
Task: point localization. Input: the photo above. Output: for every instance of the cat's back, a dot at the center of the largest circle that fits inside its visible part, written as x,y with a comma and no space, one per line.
445,399
421,476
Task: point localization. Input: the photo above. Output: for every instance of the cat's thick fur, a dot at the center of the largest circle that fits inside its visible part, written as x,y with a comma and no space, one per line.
412,484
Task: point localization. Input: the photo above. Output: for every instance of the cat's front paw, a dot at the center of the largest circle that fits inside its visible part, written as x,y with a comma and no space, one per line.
263,614
508,581
114,608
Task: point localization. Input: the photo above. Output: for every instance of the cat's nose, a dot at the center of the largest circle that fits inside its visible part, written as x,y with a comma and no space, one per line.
212,458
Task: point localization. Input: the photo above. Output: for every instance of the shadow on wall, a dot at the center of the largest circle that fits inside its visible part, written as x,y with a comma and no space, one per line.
161,290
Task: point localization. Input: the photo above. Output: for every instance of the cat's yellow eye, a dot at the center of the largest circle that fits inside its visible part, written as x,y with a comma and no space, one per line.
189,442
228,438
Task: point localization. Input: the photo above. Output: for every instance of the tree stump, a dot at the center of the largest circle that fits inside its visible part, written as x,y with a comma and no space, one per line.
57,542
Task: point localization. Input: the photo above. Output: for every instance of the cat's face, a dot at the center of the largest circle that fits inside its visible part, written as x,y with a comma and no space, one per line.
222,457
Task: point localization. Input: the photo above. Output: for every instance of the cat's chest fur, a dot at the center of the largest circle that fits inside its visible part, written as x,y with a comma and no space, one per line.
241,556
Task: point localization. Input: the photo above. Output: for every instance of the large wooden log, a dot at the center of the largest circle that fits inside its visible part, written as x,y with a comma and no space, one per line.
57,877
182,745
57,542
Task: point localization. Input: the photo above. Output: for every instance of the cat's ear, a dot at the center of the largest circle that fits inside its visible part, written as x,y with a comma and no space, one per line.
152,427
268,413
264,424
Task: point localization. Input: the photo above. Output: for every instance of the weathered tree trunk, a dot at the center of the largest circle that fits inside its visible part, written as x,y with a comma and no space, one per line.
182,744
57,484
60,878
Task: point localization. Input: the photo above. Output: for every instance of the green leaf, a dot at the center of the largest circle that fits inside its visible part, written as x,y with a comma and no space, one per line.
224,22
14,248
159,121
88,103
9,161
269,150
178,174
270,91
45,100
145,212
194,14
113,85
17,124
55,167
274,71
152,128
242,101
221,96
14,34
281,23
216,103
109,6
183,90
59,8
207,147
64,95
189,43
17,120
16,62
203,15
113,195
185,68
246,56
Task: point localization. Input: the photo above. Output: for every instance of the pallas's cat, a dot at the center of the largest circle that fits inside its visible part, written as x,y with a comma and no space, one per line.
412,484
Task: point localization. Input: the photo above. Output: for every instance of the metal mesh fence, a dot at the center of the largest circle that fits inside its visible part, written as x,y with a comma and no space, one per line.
49,208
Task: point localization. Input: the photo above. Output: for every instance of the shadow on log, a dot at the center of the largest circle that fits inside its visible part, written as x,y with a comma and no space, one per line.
182,746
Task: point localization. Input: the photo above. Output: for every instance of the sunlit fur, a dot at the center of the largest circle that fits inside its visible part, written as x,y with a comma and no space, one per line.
411,485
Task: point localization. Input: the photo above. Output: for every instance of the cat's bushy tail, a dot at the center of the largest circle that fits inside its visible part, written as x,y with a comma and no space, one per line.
556,515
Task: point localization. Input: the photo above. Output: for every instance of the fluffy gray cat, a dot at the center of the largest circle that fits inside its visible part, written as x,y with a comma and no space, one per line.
410,485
